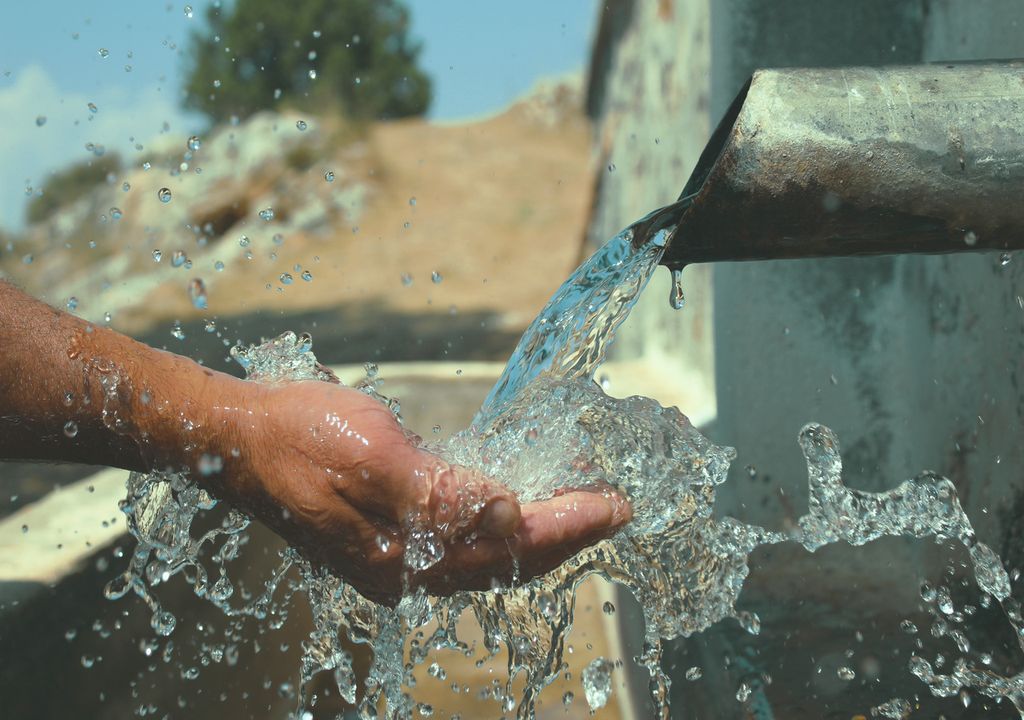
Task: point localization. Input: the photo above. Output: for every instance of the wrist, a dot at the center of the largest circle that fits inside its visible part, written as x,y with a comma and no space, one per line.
221,442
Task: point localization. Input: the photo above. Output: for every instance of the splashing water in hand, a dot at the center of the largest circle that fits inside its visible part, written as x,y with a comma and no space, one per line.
546,426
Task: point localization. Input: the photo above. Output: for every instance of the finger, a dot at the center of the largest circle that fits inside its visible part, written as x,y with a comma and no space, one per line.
550,532
575,514
554,530
409,484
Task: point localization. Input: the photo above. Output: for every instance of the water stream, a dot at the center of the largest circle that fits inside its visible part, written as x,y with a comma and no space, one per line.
547,425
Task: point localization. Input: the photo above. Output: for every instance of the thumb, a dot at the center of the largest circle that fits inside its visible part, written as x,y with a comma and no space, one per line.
412,485
461,501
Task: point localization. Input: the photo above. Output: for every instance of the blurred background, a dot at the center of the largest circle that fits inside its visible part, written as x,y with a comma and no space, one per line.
409,182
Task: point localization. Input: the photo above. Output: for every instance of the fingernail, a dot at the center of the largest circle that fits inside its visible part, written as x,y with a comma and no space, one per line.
622,511
500,519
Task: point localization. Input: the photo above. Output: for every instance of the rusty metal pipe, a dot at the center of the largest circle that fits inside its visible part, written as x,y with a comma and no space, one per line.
857,161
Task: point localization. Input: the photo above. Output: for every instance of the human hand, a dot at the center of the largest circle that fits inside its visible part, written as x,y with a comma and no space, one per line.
331,470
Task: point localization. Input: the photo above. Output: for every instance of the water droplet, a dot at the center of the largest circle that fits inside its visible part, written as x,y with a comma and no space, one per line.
126,186
244,241
597,682
118,587
104,53
71,304
676,298
116,213
743,692
611,167
194,143
846,673
970,238
88,661
107,317
435,277
301,125
24,529
412,201
1005,259
163,623
568,698
197,293
164,194
188,11
286,279
267,214
749,621
176,331
383,543
210,464
178,258
70,428
608,607
329,176
218,266
406,279
27,259
92,108
40,120
908,627
694,673
312,73
307,275
157,255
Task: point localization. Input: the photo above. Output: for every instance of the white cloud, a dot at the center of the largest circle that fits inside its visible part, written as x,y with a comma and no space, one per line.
30,152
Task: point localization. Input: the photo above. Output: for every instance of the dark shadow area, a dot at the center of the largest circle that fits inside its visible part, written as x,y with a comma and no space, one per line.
825,613
75,654
350,333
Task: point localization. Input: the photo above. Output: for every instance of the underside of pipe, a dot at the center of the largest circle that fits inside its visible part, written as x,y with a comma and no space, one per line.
859,161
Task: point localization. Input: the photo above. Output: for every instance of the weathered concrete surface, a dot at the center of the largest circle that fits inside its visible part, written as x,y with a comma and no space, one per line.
914,361
901,355
648,95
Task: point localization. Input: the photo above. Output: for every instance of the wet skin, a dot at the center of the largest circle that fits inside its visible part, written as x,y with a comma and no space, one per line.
327,467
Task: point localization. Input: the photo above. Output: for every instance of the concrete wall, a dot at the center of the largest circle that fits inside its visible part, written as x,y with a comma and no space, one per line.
914,361
648,96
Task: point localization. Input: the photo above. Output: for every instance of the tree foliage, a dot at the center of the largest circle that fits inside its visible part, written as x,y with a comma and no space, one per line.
355,55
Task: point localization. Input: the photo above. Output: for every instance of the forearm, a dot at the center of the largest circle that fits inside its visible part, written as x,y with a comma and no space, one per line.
72,391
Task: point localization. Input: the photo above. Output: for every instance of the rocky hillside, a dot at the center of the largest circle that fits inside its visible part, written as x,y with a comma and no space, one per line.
401,240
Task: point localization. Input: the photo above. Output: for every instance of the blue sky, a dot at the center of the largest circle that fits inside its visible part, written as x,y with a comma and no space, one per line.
482,55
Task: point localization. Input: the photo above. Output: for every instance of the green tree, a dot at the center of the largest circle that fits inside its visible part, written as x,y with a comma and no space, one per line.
352,54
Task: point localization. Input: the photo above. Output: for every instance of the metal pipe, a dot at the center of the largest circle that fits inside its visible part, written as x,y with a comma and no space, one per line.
857,161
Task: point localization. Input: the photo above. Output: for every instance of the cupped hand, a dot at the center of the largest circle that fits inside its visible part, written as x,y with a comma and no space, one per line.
331,470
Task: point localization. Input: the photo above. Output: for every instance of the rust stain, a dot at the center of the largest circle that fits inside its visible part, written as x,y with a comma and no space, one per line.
665,10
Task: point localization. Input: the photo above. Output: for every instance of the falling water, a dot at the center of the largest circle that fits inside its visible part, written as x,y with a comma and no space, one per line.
547,425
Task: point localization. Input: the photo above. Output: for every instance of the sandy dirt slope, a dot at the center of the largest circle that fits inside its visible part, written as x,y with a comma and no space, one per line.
495,206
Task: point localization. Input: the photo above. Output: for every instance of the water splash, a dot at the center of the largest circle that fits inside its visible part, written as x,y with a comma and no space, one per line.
545,426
